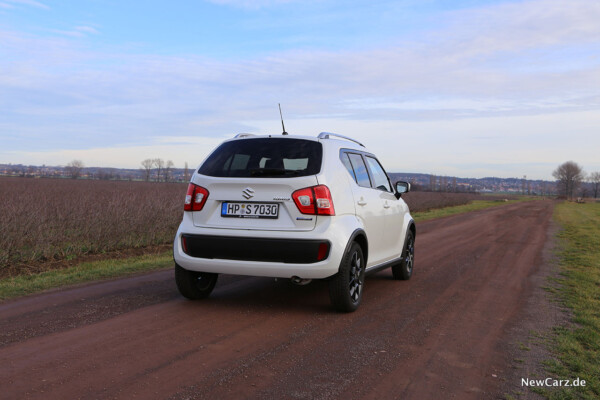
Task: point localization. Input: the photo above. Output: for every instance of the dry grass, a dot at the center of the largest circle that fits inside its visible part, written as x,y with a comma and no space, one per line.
45,220
425,201
50,219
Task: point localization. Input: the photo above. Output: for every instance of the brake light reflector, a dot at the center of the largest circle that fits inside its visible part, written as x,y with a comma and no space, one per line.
323,251
195,198
184,244
314,200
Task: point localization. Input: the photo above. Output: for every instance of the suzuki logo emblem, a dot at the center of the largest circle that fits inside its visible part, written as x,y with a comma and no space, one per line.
248,193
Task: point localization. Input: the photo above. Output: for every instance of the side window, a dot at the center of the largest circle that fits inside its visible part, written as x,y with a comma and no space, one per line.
360,170
346,162
379,176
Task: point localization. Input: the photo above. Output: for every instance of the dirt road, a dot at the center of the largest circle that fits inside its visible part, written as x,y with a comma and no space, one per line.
439,335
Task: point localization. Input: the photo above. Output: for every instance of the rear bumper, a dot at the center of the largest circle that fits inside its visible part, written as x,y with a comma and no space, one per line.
288,251
279,254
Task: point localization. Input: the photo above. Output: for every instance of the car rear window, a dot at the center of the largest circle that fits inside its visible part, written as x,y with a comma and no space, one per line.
264,158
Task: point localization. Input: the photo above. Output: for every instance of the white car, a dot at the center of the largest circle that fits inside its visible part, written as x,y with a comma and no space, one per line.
295,207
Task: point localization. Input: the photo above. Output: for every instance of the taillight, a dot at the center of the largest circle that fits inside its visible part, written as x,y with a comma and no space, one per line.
314,200
195,198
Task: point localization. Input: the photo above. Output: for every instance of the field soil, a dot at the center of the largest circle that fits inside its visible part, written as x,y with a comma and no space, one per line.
443,334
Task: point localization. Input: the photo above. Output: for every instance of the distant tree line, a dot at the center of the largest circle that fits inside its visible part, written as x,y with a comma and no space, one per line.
443,184
160,171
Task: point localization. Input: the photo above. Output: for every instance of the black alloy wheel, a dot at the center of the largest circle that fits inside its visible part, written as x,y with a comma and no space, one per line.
194,285
404,269
346,287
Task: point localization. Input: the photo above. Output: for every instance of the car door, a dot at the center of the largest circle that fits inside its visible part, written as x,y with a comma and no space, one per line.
368,205
393,209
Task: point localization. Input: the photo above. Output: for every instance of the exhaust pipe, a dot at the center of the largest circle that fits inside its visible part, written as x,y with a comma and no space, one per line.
296,280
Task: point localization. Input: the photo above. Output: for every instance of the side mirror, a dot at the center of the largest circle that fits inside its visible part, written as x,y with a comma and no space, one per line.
402,187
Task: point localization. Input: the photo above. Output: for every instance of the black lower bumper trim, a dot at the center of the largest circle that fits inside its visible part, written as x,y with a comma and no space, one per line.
291,251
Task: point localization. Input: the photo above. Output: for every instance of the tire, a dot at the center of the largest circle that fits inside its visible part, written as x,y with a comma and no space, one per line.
346,287
194,285
404,269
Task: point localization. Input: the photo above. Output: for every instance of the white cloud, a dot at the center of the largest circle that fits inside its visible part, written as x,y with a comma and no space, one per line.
514,26
525,71
31,3
460,70
507,146
250,4
192,152
77,32
87,29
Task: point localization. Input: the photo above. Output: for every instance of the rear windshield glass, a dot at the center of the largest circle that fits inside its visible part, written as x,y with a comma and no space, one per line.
264,158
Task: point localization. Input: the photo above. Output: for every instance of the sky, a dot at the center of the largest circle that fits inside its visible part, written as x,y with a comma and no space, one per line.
460,88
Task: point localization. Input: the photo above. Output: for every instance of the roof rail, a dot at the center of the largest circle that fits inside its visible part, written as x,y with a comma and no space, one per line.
325,135
242,135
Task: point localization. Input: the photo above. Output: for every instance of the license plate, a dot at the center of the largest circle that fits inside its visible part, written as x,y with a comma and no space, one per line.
249,210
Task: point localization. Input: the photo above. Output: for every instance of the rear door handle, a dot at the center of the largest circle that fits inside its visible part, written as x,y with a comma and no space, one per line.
361,202
386,205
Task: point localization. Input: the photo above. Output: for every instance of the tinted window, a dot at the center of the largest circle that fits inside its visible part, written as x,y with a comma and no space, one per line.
264,157
346,162
360,170
380,179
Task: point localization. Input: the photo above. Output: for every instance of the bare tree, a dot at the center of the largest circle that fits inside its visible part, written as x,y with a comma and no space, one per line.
568,177
147,165
583,192
594,179
168,170
186,173
74,168
159,163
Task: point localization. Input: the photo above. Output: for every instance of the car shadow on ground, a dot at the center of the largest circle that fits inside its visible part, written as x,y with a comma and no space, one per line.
258,293
279,295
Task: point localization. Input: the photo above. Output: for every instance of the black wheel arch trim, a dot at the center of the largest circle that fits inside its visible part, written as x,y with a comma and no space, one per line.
364,246
412,228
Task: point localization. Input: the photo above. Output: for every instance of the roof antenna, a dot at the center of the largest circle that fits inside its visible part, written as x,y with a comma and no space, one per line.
282,125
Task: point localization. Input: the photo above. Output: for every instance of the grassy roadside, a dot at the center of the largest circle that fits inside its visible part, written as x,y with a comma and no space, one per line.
113,268
89,271
577,349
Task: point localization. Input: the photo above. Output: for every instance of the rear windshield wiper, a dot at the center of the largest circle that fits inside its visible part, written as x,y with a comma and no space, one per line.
273,172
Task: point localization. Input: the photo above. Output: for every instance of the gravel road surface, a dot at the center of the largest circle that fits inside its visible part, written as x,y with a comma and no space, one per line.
440,335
